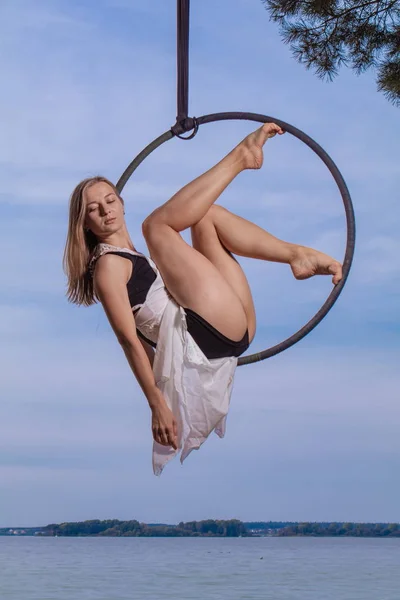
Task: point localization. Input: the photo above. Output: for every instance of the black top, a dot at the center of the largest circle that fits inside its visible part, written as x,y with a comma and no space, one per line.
141,280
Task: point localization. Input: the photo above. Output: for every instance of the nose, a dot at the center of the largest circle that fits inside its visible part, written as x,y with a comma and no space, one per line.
105,209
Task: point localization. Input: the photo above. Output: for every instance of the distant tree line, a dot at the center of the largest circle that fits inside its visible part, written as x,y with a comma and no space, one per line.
209,528
268,525
116,528
341,529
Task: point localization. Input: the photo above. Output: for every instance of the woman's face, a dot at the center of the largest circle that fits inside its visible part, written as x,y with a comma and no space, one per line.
104,210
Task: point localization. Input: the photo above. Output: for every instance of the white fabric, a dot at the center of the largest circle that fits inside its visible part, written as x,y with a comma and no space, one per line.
197,390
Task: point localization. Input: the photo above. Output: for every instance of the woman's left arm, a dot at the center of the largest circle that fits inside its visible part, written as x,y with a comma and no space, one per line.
149,350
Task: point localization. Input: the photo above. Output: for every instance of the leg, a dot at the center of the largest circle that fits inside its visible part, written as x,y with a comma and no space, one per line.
247,239
221,233
192,202
190,277
206,240
244,238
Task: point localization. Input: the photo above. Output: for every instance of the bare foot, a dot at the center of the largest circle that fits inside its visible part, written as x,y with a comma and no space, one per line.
253,145
308,262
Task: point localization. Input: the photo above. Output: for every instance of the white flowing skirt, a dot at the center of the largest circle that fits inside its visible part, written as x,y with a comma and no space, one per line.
196,389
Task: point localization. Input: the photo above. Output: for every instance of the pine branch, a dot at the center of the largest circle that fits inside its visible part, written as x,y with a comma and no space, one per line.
328,34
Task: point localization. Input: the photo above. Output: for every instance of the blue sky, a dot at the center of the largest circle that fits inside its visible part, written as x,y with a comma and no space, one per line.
313,433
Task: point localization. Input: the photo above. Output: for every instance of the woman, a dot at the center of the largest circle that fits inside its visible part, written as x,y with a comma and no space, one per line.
193,303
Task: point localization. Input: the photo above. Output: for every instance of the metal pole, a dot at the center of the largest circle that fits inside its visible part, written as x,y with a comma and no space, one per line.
182,59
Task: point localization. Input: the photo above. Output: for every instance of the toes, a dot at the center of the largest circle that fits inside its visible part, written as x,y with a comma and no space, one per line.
336,270
272,129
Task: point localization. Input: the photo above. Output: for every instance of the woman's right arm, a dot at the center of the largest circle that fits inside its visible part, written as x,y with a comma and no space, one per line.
110,278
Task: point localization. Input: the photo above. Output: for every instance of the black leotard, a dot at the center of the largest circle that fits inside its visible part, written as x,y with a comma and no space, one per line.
210,341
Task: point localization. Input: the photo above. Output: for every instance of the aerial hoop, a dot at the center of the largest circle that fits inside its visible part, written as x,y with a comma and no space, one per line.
348,207
185,124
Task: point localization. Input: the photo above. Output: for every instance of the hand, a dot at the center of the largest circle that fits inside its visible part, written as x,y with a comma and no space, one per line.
164,426
308,262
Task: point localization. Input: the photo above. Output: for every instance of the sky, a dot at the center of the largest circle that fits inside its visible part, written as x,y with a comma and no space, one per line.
312,434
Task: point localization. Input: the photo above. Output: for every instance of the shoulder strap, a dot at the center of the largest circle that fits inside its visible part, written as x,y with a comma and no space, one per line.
108,248
104,248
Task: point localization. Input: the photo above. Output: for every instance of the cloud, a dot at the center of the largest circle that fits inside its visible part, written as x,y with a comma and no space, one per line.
381,260
319,416
86,91
18,321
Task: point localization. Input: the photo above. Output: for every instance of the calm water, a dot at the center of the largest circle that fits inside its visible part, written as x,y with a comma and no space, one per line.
212,569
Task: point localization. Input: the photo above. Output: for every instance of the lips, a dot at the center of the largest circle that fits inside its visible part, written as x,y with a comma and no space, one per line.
109,221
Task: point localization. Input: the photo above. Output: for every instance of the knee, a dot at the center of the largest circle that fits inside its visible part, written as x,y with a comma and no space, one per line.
211,216
215,212
151,226
158,235
146,226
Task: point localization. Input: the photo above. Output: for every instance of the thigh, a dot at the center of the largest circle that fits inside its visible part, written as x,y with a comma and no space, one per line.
194,282
205,239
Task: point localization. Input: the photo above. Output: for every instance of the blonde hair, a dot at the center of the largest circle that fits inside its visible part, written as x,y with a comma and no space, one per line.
80,246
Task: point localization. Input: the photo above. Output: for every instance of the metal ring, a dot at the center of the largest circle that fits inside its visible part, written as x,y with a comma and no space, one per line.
348,207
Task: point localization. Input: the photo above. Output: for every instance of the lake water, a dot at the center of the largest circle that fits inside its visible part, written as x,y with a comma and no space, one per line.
199,568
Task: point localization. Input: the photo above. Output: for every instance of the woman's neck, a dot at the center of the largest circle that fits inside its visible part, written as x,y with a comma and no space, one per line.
121,239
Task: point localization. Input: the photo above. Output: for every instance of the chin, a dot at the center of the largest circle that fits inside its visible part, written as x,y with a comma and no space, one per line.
112,227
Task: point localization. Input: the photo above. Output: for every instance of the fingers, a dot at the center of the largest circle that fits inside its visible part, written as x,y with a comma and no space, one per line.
160,436
174,435
172,441
166,437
